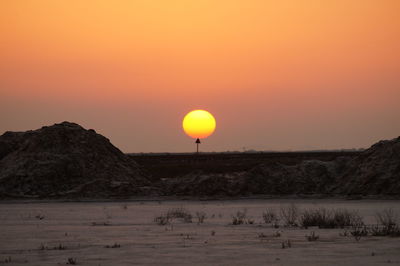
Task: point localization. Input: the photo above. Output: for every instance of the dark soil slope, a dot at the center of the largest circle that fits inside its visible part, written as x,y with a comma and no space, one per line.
66,160
375,171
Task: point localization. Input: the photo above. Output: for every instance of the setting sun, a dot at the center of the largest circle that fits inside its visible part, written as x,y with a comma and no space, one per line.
199,124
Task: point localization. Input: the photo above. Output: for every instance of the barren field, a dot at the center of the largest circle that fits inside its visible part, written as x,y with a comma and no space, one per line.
125,233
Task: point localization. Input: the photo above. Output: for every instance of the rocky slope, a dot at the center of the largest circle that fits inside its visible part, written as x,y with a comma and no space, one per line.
66,160
376,171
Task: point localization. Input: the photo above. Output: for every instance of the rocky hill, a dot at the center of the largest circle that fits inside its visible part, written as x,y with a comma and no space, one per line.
66,160
375,171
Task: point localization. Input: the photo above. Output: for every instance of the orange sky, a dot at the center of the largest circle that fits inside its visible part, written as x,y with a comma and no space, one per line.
277,75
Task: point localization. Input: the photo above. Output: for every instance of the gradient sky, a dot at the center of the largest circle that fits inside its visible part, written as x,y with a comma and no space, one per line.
277,75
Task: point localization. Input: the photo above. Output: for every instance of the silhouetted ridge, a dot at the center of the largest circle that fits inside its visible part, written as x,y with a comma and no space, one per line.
375,171
66,160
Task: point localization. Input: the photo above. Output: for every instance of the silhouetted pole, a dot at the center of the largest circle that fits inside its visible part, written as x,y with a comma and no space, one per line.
197,143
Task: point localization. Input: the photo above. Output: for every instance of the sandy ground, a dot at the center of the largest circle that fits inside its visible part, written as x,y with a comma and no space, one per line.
85,229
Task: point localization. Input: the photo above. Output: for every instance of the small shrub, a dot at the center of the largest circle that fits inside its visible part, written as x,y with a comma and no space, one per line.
201,216
312,236
359,231
60,247
324,218
241,218
286,244
276,234
180,213
161,220
262,235
213,233
115,245
175,213
387,224
289,214
344,233
270,217
343,218
377,230
71,261
388,220
39,216
101,224
358,228
320,217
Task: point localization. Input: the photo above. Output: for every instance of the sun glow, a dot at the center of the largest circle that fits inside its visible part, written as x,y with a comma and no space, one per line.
199,124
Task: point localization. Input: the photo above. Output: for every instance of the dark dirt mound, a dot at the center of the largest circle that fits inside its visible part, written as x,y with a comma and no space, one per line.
307,177
66,160
375,171
204,184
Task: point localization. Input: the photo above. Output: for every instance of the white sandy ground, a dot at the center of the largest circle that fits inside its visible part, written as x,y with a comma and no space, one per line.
145,243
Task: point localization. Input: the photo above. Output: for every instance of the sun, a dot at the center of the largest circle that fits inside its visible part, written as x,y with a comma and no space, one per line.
199,124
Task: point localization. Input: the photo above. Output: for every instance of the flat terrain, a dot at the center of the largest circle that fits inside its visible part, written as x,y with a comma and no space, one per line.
32,234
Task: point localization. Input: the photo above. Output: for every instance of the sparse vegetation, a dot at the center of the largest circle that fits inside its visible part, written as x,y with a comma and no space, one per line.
289,214
71,261
271,217
40,217
359,231
286,244
277,234
344,233
387,218
240,217
324,218
115,245
176,213
262,235
161,220
180,213
316,217
387,224
312,237
59,247
201,216
100,223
